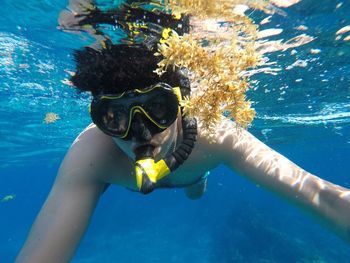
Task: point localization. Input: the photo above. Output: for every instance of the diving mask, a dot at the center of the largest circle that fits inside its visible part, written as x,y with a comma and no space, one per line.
113,114
160,104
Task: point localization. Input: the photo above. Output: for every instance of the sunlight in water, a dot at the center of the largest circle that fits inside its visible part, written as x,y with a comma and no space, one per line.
278,173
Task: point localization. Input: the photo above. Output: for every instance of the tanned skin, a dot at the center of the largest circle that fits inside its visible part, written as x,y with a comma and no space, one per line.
95,159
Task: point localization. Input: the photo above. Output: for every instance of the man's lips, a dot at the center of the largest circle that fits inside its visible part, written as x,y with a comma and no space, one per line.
136,145
144,151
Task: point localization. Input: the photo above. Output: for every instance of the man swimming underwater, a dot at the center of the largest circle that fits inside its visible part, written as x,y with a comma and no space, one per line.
142,140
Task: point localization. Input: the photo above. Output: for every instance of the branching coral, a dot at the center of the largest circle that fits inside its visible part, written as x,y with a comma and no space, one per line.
216,65
51,117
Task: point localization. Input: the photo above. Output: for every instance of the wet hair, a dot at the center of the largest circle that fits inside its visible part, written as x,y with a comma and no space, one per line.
119,68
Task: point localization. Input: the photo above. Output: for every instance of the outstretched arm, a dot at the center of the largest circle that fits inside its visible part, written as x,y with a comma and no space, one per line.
62,220
259,163
65,215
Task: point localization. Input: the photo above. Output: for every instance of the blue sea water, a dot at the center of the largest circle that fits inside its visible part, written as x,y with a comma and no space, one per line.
303,113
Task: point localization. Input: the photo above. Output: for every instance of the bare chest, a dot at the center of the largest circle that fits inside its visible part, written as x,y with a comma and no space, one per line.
191,171
121,171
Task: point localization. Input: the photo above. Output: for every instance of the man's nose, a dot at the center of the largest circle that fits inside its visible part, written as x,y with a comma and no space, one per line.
139,128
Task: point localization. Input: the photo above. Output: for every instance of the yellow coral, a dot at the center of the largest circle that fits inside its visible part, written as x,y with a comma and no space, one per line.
221,87
218,67
51,117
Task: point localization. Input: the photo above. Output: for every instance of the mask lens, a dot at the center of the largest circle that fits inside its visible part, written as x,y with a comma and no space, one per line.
115,120
110,117
162,108
158,108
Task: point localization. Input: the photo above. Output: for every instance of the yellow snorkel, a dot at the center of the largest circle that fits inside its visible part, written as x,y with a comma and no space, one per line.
148,172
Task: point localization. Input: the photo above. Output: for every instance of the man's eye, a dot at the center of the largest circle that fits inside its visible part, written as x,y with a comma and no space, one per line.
158,109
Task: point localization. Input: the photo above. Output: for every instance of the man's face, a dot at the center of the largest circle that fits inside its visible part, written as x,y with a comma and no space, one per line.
139,113
141,135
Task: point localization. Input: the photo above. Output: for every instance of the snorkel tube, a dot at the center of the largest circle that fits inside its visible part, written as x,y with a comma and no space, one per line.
148,172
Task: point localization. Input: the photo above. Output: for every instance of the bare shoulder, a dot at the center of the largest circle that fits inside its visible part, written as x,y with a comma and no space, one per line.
211,151
226,138
94,155
235,147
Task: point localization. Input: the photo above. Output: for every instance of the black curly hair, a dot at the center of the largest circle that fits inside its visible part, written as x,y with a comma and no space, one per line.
119,68
129,64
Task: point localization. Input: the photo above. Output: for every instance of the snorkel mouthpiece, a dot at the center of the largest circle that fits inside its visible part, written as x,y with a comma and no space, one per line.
147,171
